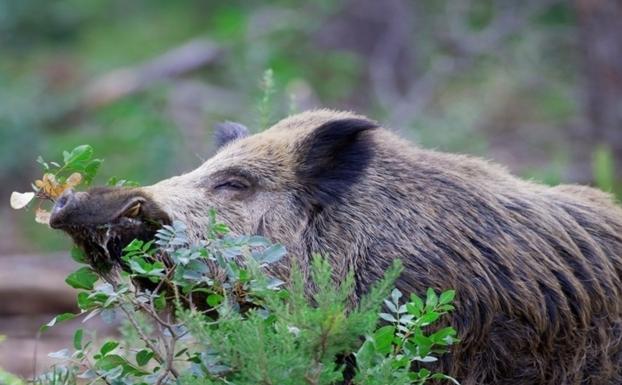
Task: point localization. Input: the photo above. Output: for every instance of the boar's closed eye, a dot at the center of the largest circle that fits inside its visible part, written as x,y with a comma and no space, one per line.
232,184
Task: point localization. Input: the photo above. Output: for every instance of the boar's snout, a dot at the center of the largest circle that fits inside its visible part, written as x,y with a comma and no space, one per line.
102,221
104,206
58,219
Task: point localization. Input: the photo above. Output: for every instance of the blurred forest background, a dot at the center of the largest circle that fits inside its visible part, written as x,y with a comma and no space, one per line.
535,84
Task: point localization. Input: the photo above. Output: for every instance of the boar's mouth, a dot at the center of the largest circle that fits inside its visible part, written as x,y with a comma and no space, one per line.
104,244
102,222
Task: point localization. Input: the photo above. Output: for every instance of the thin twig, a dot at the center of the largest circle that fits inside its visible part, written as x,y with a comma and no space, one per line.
147,341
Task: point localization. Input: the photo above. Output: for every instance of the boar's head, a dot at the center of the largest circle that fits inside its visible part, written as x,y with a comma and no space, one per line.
272,183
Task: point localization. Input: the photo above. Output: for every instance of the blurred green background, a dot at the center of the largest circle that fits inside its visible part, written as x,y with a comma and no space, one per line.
534,85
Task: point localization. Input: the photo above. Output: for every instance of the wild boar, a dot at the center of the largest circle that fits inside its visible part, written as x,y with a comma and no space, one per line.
536,268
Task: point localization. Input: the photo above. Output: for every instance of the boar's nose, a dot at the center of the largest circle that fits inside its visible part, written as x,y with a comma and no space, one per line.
59,217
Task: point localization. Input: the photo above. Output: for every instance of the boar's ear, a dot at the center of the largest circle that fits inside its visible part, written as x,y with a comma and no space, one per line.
333,158
228,132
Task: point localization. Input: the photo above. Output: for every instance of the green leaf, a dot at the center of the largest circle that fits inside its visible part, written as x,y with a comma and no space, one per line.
395,296
447,297
160,302
136,266
366,353
214,299
272,254
42,162
108,347
114,373
146,248
90,170
244,276
112,361
62,354
112,181
85,301
221,229
388,317
258,241
418,303
78,255
135,245
383,339
423,374
58,319
445,308
441,336
79,154
77,339
182,351
390,305
429,318
431,299
83,278
413,310
116,182
143,357
422,341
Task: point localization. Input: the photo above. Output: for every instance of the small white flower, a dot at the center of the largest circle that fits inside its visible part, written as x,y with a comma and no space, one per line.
21,200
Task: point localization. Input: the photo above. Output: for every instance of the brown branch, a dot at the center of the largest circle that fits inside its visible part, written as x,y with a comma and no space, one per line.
122,82
157,355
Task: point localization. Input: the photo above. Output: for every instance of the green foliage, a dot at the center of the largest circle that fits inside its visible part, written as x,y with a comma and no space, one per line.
388,354
114,181
9,379
603,169
79,160
59,318
78,167
216,316
291,338
78,255
266,107
83,278
57,376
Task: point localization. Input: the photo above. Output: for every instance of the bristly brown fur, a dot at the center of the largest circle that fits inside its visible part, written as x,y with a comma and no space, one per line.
537,269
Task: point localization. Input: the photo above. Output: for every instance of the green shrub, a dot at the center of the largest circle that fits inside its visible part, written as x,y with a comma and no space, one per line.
244,326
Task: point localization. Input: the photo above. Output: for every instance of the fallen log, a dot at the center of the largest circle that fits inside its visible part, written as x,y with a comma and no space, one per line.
35,284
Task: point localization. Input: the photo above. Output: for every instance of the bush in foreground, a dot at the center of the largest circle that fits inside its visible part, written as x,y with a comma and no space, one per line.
241,326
